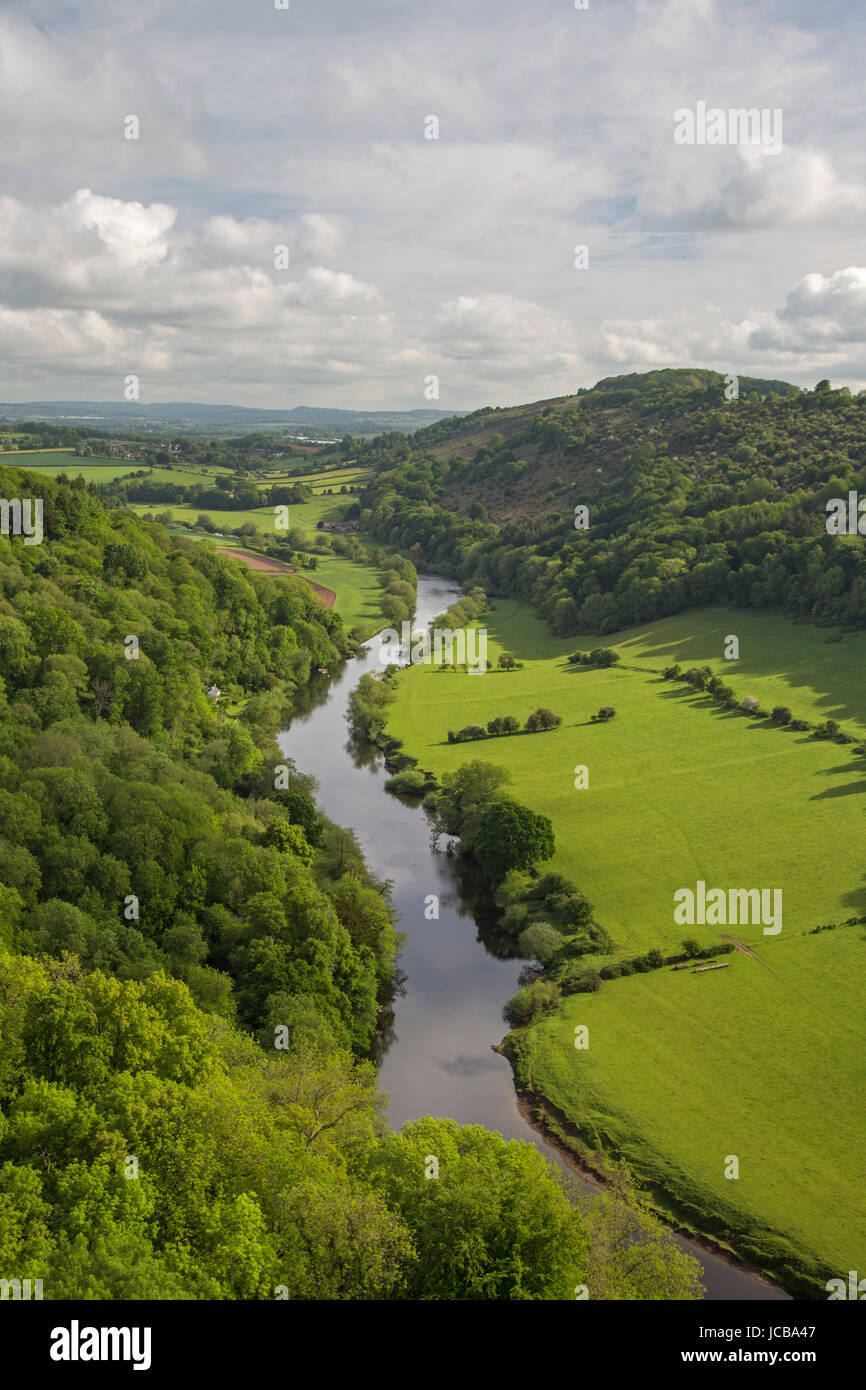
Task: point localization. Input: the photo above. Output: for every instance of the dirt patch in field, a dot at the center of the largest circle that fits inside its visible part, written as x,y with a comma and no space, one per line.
265,565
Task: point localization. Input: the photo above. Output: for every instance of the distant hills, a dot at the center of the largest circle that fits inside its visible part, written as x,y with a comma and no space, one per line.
188,417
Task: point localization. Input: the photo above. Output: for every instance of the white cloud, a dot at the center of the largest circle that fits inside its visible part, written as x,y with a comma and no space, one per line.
305,129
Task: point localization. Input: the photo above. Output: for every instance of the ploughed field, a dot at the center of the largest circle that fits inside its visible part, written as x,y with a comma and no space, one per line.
764,1060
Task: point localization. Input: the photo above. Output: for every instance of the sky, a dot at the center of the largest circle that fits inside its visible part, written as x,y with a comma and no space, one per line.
411,264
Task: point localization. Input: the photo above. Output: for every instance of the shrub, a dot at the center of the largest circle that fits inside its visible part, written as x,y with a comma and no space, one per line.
540,941
750,705
606,712
781,714
408,783
603,656
532,1002
583,982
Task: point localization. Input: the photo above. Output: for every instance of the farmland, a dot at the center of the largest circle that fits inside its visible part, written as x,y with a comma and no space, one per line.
683,1070
306,514
52,462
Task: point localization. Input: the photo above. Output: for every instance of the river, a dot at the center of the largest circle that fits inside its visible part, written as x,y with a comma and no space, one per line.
438,1058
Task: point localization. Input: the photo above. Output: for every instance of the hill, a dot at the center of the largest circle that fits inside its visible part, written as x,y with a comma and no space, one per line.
687,499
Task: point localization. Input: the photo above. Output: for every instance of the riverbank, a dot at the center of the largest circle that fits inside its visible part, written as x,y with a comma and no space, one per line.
459,967
561,1135
686,1070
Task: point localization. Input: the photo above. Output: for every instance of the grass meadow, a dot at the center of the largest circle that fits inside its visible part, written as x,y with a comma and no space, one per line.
53,462
765,1059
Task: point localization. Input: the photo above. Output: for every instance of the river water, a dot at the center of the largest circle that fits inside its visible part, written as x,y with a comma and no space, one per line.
437,1058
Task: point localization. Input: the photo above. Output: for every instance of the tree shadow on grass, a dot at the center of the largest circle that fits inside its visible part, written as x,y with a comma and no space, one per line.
856,766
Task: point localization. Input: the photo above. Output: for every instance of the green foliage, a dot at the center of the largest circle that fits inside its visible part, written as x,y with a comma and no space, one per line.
510,836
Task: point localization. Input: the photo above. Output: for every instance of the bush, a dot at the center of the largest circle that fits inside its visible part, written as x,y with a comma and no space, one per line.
532,1002
606,712
781,714
586,981
408,783
540,941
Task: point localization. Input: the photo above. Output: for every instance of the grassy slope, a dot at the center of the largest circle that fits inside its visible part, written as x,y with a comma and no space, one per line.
358,592
686,1069
734,795
683,1070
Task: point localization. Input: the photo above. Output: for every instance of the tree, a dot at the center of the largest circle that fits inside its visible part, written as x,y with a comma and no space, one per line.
535,1000
781,714
496,1223
540,941
632,1254
511,836
288,839
541,719
606,712
470,733
458,804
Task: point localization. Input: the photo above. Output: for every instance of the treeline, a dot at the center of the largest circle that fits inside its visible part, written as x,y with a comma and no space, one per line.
702,678
692,501
538,721
222,492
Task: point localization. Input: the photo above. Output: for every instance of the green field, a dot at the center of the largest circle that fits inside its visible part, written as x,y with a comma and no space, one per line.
683,1070
358,592
187,477
52,462
306,514
686,1069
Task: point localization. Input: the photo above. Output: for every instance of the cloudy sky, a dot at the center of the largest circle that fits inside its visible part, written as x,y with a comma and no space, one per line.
409,257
